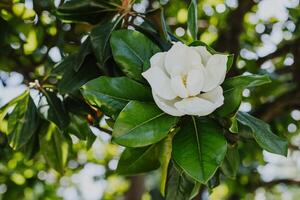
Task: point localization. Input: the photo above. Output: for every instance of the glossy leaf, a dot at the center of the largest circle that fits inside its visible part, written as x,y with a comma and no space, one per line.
74,104
23,122
139,160
199,148
100,36
55,147
263,135
53,110
179,185
231,163
72,80
112,94
4,109
233,89
92,11
193,19
164,26
141,124
85,49
130,50
79,127
32,147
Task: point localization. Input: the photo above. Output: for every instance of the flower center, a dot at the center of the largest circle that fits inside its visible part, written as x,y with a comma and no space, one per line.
184,80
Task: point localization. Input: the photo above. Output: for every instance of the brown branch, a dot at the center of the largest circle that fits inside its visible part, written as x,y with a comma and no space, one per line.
270,111
137,188
276,182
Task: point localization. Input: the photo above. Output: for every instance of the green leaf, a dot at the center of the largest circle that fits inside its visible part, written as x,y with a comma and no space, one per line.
72,80
92,11
164,26
231,163
234,128
193,19
179,186
79,127
139,160
23,122
230,61
165,157
32,147
130,50
141,124
90,139
74,104
263,135
100,36
54,110
85,49
55,147
4,109
199,148
233,89
112,94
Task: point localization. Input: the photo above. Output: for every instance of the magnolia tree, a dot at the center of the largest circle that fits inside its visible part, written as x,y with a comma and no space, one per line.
172,103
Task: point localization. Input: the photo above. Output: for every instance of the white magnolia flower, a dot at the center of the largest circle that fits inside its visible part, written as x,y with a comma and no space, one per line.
186,80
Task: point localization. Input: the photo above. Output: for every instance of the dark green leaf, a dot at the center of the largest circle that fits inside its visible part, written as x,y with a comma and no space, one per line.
141,124
85,49
193,19
90,139
55,147
263,135
92,11
139,160
54,110
23,122
32,147
199,148
72,80
230,61
233,89
100,36
79,127
179,185
164,26
112,94
231,163
74,103
130,50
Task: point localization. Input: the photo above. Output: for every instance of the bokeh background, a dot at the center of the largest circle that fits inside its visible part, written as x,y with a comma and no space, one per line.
264,35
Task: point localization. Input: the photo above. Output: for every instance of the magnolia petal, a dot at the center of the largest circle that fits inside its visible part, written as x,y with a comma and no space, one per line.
159,82
180,58
205,55
178,86
193,58
215,96
195,106
195,81
215,71
167,105
158,59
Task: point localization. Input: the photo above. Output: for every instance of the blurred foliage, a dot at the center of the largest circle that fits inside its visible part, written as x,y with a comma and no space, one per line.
33,41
